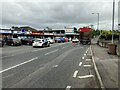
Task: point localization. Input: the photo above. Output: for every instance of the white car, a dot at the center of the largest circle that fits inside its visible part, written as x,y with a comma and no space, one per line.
50,40
75,40
38,43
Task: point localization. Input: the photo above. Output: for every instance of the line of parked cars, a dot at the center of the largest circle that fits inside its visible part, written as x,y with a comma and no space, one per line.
35,42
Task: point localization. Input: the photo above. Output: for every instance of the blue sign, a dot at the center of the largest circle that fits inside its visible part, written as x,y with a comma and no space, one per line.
23,30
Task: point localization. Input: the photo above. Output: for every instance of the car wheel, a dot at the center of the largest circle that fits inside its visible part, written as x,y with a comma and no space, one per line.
12,44
43,46
48,45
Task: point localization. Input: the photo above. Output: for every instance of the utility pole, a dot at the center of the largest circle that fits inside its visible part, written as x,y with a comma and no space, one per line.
113,15
98,16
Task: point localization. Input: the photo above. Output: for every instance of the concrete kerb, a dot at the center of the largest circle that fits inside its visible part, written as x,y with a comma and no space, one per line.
96,71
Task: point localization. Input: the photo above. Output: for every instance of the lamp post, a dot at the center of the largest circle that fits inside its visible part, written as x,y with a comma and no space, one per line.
97,20
113,14
12,32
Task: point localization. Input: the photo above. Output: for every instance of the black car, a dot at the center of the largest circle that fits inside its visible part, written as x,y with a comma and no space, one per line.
27,41
13,42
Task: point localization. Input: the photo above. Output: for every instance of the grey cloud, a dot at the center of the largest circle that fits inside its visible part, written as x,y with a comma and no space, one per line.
56,14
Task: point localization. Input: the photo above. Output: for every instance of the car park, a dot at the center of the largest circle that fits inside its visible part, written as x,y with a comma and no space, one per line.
13,42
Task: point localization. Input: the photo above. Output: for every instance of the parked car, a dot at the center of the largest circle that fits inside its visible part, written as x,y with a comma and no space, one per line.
50,40
41,43
58,40
13,42
62,39
1,42
27,41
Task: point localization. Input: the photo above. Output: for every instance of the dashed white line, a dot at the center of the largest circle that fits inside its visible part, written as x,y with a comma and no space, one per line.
75,73
68,88
80,63
51,52
18,65
83,57
85,54
86,76
87,50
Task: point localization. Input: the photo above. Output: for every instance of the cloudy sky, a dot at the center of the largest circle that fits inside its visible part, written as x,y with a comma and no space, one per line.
57,14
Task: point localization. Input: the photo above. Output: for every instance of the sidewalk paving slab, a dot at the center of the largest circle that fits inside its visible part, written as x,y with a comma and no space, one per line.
107,66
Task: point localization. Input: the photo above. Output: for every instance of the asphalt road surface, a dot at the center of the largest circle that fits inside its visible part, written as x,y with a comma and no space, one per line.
58,66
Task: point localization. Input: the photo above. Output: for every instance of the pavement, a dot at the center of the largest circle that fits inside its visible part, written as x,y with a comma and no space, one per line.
107,66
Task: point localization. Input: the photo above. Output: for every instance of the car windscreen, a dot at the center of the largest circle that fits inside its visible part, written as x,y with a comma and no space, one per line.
38,40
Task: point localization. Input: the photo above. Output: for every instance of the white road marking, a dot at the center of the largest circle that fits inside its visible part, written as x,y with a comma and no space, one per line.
63,47
80,63
68,88
55,66
86,76
88,60
51,52
38,50
18,65
85,54
75,73
87,50
83,57
87,65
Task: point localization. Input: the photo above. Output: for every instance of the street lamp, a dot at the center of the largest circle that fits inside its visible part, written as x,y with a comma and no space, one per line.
97,20
12,31
113,14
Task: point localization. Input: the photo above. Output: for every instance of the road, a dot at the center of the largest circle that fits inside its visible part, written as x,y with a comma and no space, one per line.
58,66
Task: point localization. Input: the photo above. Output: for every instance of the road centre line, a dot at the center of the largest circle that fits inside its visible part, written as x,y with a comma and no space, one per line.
33,50
68,88
51,52
80,63
19,64
75,73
